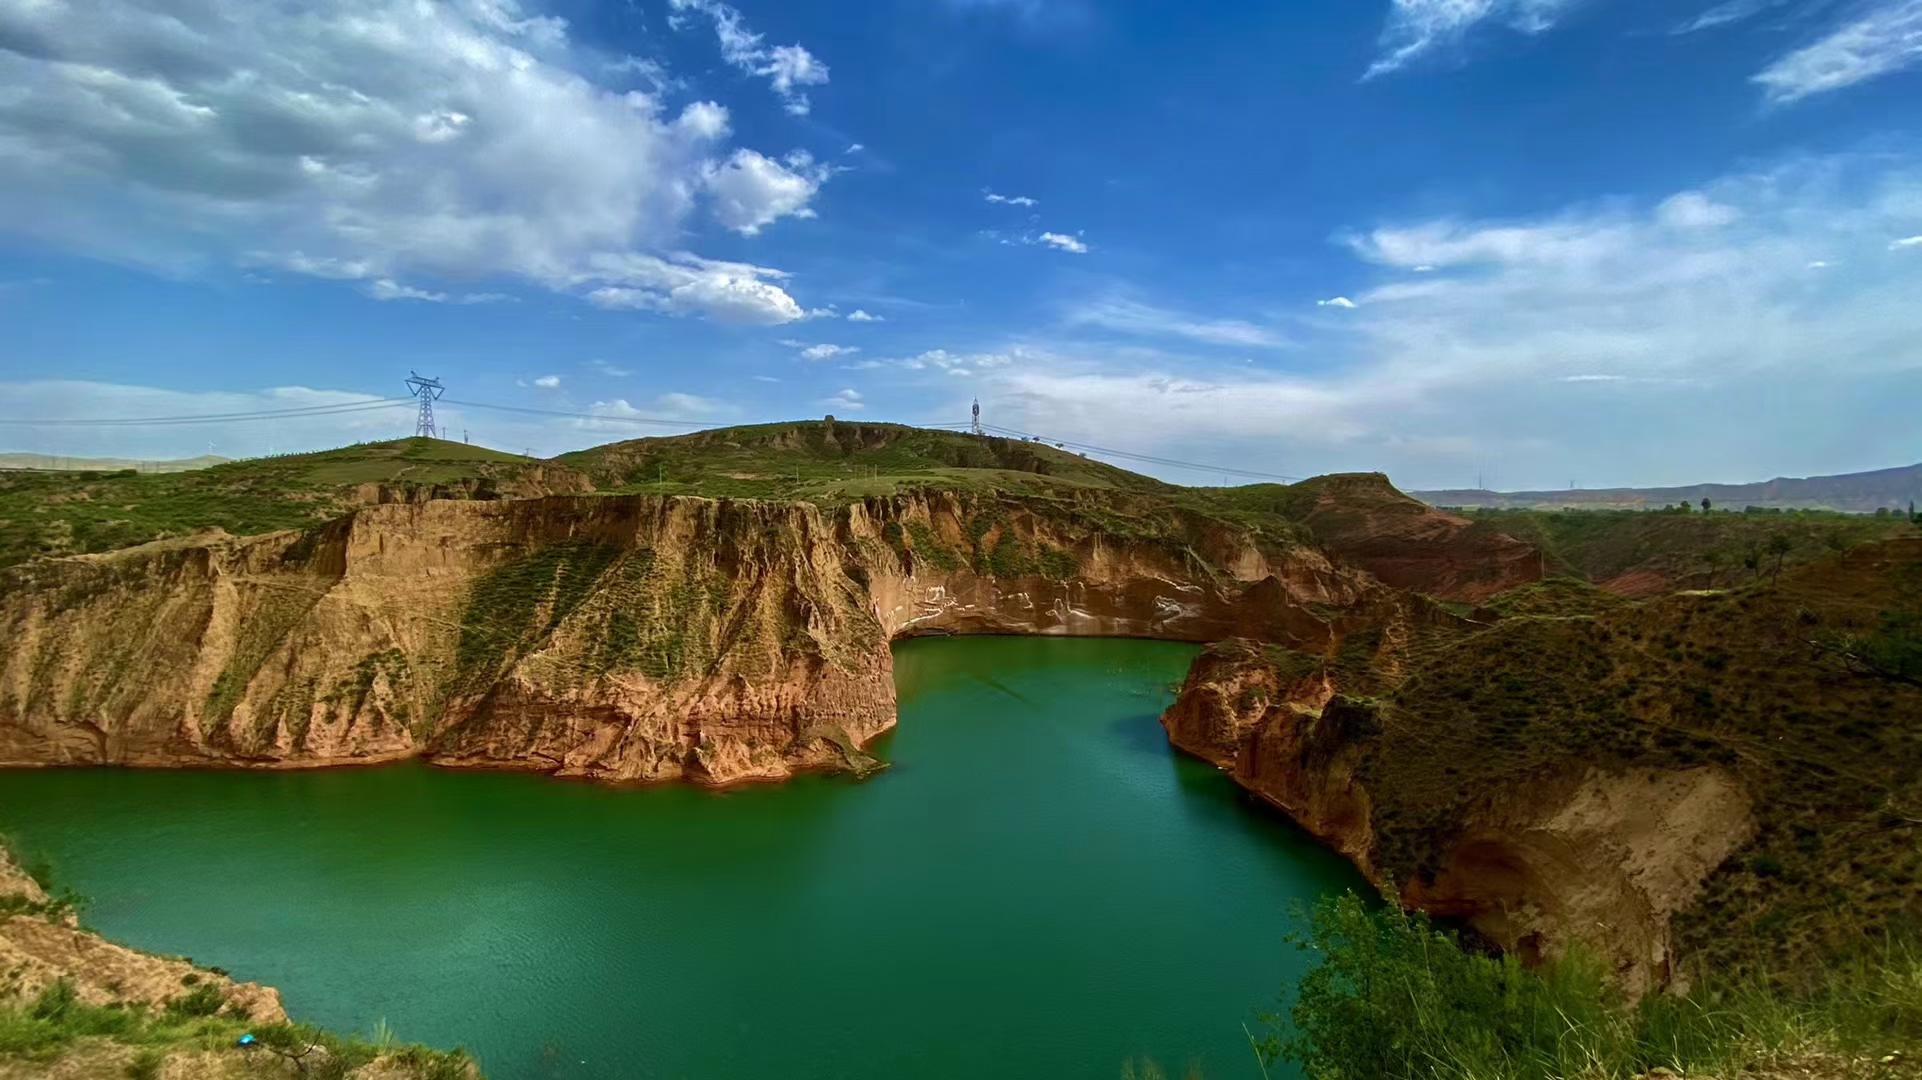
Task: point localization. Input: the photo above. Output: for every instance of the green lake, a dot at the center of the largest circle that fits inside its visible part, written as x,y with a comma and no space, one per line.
1039,887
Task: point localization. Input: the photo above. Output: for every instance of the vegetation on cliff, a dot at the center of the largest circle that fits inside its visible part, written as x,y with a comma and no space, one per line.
73,513
72,1005
1787,712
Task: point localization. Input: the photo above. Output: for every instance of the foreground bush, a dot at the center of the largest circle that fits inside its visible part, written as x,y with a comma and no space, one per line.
1394,997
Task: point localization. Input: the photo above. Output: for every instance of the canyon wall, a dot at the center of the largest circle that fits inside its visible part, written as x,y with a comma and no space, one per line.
612,637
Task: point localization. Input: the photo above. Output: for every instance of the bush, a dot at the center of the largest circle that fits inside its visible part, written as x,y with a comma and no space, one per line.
1394,997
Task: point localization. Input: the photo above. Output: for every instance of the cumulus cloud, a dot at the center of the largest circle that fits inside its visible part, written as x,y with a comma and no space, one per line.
1416,27
787,68
689,285
823,351
368,140
1132,317
1884,39
857,315
1062,242
1336,302
751,191
548,382
1011,200
846,400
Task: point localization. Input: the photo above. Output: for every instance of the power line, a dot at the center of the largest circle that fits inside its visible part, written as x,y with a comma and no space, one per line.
579,415
220,418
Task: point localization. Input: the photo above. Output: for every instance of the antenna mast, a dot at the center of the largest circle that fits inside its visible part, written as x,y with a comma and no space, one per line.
976,426
428,391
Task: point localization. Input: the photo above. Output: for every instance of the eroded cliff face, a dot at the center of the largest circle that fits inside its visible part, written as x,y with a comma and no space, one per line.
613,637
1603,857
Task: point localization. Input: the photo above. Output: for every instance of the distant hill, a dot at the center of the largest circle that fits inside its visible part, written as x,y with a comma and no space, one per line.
1862,493
63,463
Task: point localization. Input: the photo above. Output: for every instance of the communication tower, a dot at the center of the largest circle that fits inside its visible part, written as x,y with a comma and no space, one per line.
976,427
427,391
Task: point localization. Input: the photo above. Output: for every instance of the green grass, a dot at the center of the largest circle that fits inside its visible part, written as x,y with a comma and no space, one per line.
56,1022
1394,998
82,512
1693,549
845,461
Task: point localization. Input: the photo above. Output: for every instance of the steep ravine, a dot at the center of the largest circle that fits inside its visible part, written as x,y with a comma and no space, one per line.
613,637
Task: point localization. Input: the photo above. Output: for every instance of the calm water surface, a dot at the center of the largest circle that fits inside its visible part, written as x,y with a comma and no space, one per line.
1039,887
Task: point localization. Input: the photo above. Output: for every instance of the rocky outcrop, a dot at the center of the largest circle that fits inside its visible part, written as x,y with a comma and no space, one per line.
1364,521
41,943
612,637
1583,855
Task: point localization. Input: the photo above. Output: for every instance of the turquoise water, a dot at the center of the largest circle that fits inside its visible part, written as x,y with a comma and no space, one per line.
1039,887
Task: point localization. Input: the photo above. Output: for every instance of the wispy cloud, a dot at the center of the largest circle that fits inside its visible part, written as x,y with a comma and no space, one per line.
1336,302
1131,317
1905,242
1011,200
787,68
548,382
609,370
857,315
848,400
1696,331
1418,27
1063,242
1733,11
1886,38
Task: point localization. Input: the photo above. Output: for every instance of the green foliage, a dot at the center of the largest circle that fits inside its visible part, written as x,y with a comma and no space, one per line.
840,462
1394,998
522,601
930,550
47,1027
62,513
1599,544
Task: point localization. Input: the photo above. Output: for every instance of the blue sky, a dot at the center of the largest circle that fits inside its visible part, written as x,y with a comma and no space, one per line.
1540,241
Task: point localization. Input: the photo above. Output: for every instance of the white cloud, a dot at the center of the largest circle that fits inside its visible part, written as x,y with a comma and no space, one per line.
1818,264
608,415
824,351
1733,11
787,68
1905,242
1416,27
1337,302
1131,317
751,191
1884,39
609,370
548,382
1011,200
367,140
849,400
1618,342
389,289
1694,210
1063,242
857,315
854,148
689,285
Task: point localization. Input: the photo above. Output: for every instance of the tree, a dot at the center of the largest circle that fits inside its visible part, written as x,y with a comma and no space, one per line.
1779,546
1705,504
1713,560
